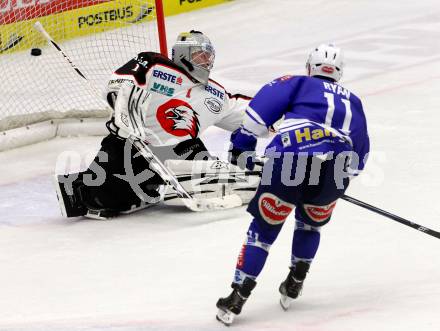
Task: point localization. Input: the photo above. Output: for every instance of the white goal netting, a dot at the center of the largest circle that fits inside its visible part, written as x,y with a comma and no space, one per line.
98,35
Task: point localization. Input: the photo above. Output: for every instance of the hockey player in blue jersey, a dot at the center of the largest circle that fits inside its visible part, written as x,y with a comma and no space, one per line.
321,144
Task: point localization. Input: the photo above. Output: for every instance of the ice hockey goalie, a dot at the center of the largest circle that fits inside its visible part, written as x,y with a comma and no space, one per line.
167,104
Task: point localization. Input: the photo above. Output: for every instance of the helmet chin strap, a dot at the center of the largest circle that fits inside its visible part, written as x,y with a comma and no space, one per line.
188,64
190,68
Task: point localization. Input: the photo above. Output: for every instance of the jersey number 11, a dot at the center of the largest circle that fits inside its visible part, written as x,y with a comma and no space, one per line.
331,110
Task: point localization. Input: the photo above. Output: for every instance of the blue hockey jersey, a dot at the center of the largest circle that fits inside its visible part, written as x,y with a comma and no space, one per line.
315,112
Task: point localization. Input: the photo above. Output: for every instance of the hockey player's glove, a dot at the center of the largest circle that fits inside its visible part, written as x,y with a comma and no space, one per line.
242,150
243,159
192,149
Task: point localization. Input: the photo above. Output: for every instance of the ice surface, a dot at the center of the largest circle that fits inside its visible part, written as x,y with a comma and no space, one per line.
164,268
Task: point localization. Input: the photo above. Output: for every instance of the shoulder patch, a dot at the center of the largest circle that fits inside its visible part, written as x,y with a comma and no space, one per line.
284,78
281,79
213,105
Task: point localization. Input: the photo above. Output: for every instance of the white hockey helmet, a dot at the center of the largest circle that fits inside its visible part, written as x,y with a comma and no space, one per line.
326,60
194,52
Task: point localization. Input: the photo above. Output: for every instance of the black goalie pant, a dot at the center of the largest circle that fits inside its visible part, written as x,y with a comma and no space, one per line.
116,165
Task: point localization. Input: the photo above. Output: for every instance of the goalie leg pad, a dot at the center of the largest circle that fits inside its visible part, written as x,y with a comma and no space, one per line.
103,190
70,201
214,179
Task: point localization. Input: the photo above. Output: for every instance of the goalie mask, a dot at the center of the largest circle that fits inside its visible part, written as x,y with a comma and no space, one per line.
194,52
326,60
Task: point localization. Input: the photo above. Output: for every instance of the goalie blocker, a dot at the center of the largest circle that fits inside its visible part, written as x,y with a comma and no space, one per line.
120,180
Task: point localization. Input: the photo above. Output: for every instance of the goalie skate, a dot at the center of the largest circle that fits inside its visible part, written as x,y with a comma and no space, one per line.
70,203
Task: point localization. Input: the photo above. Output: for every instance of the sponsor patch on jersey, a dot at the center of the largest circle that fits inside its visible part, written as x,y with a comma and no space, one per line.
167,77
285,139
307,135
274,210
213,105
280,79
319,213
178,118
284,78
211,89
163,89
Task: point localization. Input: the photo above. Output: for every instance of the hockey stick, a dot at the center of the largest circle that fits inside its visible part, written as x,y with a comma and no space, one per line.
13,41
190,202
39,27
396,218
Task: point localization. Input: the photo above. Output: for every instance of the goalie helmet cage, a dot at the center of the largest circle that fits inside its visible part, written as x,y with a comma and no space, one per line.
40,96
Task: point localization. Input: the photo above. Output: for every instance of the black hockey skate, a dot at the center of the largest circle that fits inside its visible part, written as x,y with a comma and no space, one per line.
291,288
232,305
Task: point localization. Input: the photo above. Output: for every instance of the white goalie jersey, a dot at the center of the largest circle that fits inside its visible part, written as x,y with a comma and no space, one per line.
160,102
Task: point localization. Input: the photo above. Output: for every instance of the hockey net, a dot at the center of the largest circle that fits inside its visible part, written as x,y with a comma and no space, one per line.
99,36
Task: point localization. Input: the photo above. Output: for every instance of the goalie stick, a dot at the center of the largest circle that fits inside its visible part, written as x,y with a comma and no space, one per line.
39,27
157,165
